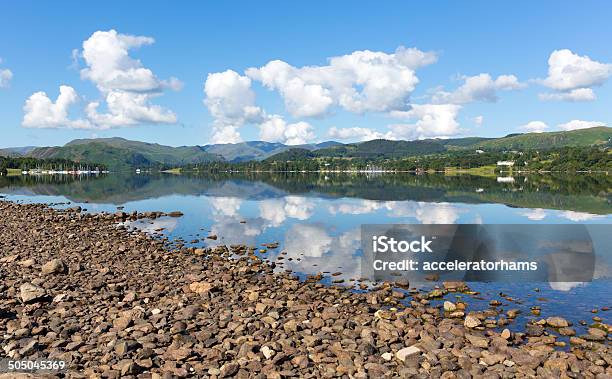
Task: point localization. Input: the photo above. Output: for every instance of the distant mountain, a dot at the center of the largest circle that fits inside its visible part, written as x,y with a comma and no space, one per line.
327,144
16,151
258,150
244,151
120,154
387,149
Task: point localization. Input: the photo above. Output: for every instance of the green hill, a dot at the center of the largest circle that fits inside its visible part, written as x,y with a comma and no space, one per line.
386,149
460,143
294,154
381,148
584,137
121,154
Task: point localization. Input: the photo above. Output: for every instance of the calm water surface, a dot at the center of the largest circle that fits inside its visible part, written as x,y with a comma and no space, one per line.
316,218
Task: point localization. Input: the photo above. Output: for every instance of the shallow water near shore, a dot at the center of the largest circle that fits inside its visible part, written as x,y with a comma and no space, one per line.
316,218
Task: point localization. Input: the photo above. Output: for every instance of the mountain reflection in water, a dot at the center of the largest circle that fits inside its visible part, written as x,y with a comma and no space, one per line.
574,193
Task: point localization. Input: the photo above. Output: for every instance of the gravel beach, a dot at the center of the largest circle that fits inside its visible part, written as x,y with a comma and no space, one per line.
111,302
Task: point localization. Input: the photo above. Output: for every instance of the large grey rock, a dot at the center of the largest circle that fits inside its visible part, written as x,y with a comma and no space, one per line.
31,293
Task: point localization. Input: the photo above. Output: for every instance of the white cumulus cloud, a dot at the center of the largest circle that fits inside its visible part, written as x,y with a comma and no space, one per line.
481,87
359,82
298,133
431,120
126,86
230,99
580,124
572,76
125,108
231,102
6,76
578,94
357,133
41,112
275,129
111,68
534,127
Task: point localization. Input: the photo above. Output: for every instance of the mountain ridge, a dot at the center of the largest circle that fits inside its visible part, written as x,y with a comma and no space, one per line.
388,149
119,153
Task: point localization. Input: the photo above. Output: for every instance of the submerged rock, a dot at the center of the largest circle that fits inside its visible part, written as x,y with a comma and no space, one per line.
557,322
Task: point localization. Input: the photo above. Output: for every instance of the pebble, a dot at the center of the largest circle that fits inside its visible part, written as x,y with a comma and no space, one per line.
407,352
505,334
471,321
267,352
54,266
449,306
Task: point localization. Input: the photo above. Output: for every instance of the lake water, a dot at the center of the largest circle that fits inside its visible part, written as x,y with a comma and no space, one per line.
316,218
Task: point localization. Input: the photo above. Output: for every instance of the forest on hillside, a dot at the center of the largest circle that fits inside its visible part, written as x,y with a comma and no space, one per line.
561,159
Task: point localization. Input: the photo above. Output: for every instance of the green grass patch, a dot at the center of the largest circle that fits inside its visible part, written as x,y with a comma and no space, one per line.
13,171
176,170
488,171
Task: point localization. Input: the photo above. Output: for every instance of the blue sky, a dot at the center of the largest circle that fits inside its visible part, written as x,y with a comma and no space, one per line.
390,93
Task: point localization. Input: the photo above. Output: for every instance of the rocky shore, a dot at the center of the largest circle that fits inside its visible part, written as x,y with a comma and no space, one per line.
111,302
